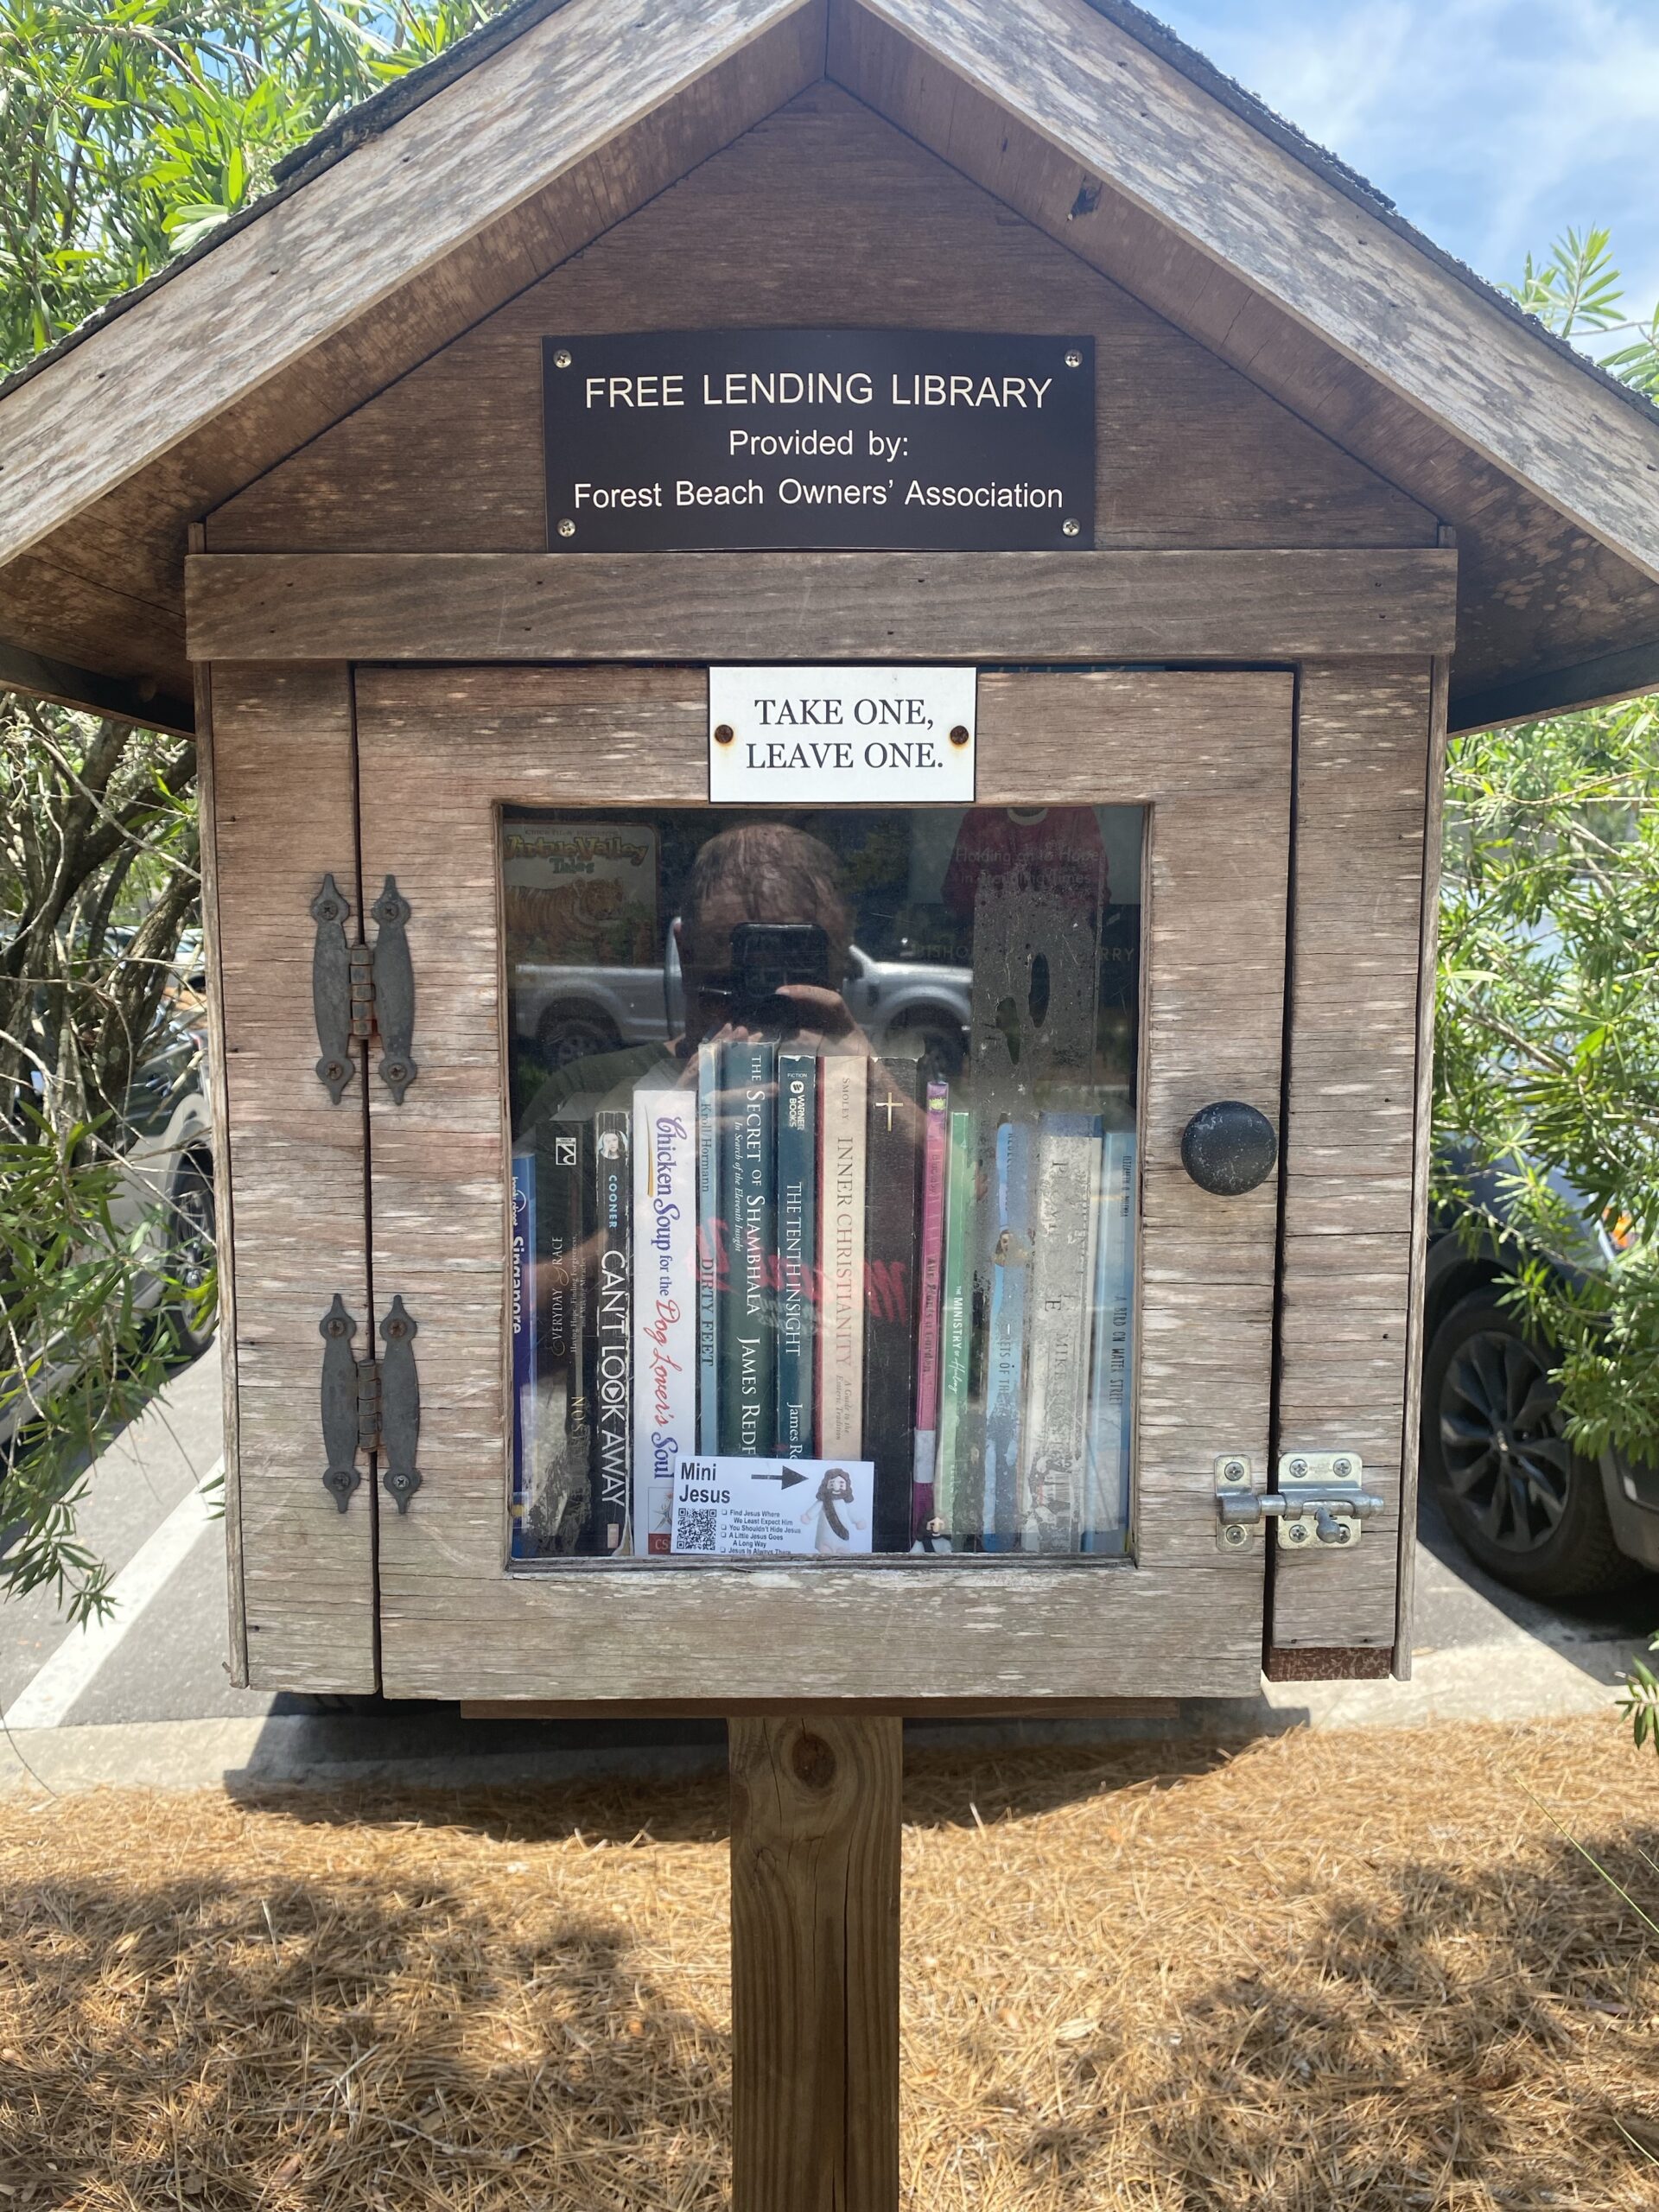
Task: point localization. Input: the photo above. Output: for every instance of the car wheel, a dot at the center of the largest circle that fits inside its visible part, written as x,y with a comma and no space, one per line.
1523,1503
568,1033
190,1249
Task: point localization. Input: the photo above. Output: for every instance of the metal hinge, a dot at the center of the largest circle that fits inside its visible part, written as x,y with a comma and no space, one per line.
1321,1503
370,1406
359,991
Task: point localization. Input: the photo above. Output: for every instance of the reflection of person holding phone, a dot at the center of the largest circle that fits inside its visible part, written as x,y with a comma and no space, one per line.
763,934
763,938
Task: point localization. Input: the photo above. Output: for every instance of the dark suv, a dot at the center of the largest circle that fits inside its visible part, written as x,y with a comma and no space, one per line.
1529,1508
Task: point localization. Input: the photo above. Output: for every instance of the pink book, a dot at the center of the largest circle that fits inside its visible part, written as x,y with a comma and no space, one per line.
930,1275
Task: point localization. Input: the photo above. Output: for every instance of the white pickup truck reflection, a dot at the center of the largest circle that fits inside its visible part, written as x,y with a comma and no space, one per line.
567,1012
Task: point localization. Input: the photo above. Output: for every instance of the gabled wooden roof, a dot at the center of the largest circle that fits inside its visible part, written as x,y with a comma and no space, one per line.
422,211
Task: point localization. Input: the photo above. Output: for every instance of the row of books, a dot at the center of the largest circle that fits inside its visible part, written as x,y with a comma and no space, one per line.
821,1258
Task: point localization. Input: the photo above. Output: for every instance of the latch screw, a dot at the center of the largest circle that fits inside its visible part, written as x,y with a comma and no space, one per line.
1234,1535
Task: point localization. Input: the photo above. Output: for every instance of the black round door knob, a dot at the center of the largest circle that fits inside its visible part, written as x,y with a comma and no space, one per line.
1228,1148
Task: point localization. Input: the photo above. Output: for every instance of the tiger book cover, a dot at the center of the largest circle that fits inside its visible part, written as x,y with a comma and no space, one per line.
580,894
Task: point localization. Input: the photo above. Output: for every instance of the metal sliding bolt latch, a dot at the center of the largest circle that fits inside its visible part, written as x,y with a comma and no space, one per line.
1321,1503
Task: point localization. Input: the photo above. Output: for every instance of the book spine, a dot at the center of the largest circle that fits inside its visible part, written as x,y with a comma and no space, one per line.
798,1249
930,1294
748,1141
1055,1433
1006,1348
560,1499
1111,1395
844,1085
952,1483
573,1160
664,1303
522,1306
892,1165
613,1328
711,1247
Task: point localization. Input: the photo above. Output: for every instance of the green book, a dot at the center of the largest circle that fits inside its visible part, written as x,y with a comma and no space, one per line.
955,1487
747,1331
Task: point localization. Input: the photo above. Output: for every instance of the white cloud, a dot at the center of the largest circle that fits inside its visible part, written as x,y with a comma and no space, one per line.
1496,125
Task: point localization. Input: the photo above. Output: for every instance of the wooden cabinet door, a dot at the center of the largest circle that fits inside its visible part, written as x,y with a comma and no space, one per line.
279,818
440,752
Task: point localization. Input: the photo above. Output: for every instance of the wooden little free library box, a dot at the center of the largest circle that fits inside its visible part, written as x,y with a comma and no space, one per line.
821,638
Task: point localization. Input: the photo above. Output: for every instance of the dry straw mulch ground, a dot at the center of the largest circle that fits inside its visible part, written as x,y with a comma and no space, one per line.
1341,1971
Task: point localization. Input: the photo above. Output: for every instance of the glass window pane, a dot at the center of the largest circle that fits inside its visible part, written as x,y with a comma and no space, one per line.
824,1187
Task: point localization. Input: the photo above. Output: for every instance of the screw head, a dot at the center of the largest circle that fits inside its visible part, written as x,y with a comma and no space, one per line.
1296,1533
1342,1532
959,734
1297,1469
1235,1535
561,358
1342,1469
1074,357
724,733
1071,527
567,528
1234,1471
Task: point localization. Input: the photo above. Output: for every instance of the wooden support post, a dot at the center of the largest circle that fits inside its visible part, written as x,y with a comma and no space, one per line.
815,1963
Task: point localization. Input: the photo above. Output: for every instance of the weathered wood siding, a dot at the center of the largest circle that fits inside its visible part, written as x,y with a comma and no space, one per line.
824,213
1350,1151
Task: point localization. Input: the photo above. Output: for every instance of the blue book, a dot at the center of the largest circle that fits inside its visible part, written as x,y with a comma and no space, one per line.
711,1249
1004,1354
798,1249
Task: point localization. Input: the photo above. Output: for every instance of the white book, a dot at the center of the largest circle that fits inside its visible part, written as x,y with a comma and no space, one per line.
664,1297
842,1093
1111,1392
1054,1433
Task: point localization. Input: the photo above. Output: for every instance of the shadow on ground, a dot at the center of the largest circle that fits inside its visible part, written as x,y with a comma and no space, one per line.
1148,1974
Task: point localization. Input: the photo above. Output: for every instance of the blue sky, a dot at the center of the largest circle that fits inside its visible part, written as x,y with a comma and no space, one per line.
1495,124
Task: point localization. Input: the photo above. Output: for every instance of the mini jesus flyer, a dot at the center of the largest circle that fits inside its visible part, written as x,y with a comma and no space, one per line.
737,1508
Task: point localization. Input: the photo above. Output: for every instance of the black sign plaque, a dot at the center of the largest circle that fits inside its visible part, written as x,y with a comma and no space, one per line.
692,440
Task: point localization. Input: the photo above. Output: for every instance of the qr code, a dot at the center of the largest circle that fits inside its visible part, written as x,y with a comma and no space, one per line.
694,1529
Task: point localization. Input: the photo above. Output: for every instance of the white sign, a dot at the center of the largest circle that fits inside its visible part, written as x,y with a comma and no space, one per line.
841,736
741,1508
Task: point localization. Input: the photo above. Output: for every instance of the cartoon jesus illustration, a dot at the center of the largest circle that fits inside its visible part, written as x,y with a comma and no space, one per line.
836,1524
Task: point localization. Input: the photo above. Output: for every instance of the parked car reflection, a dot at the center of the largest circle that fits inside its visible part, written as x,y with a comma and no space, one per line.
570,1011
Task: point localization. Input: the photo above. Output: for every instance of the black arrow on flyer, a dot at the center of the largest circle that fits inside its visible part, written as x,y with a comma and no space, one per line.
786,1479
